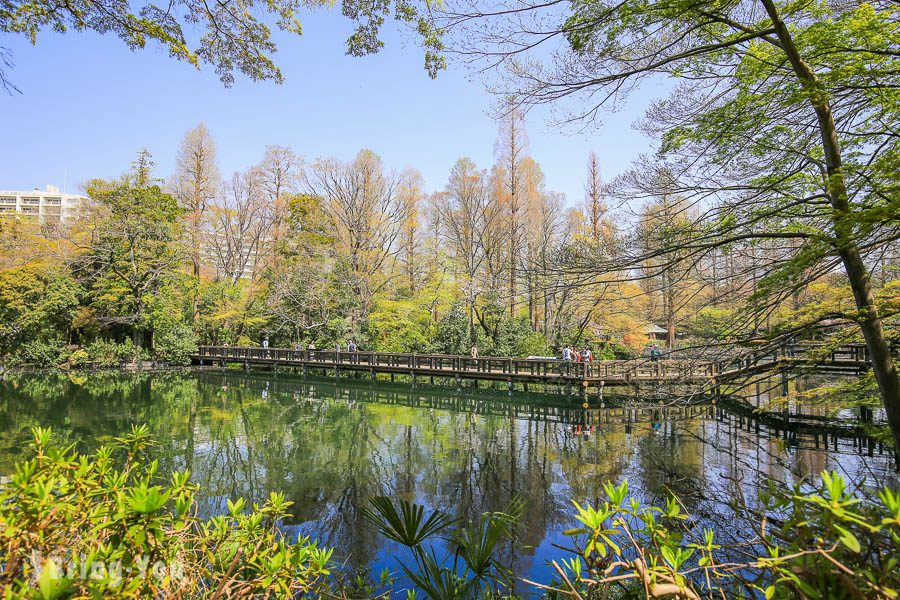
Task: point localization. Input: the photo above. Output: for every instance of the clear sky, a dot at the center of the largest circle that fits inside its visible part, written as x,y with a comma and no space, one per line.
88,104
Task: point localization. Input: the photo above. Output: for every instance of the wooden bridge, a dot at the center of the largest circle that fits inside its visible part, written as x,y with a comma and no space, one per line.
539,370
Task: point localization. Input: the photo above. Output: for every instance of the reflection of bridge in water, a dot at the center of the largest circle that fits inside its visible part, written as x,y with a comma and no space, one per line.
802,430
591,376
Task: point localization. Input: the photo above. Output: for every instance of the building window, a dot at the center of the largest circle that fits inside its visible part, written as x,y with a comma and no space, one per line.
53,201
31,200
7,199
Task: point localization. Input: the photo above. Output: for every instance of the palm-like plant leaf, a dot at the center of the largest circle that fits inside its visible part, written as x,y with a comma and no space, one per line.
434,579
477,545
408,526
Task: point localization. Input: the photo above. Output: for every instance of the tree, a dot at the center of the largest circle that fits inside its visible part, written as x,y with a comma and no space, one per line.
782,124
464,216
664,274
142,169
359,199
37,303
278,173
194,185
511,150
239,227
536,216
593,195
409,200
233,35
131,256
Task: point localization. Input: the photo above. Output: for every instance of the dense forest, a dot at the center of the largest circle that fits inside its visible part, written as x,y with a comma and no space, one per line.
322,251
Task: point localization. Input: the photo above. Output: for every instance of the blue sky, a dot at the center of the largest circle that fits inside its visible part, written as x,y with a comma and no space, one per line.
88,104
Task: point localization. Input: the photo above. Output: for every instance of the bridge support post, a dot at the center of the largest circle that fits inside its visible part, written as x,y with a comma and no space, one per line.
509,386
372,374
784,382
865,413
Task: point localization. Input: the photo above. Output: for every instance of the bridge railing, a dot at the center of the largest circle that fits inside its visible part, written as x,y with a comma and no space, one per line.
394,360
670,370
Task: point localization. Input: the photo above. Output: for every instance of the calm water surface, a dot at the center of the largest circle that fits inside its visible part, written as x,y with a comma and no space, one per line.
331,445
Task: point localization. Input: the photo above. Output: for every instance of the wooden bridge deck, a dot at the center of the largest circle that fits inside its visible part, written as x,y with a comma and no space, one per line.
524,370
534,370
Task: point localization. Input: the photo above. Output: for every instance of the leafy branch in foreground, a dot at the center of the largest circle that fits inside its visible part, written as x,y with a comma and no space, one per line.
823,542
73,526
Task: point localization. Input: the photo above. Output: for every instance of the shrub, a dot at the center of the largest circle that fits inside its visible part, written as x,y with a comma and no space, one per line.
829,543
472,567
175,344
78,526
40,353
109,353
452,333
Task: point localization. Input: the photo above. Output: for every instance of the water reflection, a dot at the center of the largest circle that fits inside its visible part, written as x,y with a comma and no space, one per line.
330,446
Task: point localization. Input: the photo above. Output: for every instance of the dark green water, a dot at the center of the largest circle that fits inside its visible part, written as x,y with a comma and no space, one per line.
331,445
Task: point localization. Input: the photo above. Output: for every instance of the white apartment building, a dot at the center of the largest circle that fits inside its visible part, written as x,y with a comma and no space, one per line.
47,206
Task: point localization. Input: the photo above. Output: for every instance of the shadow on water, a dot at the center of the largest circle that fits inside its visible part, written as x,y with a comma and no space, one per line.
330,445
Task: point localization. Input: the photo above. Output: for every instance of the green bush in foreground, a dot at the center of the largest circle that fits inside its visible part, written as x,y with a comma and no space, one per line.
74,526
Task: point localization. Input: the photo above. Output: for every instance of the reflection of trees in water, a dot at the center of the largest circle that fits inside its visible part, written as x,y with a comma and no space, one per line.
330,446
669,460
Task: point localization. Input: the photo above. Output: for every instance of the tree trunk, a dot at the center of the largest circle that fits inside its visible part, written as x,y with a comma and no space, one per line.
883,366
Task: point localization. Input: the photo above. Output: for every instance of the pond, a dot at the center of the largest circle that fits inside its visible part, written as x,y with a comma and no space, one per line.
330,445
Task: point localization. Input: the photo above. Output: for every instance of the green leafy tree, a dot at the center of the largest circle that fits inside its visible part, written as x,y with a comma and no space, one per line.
37,304
132,254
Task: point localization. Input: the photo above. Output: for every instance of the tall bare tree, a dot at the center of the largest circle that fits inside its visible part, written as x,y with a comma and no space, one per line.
360,199
465,218
279,172
511,149
593,196
239,227
194,185
410,196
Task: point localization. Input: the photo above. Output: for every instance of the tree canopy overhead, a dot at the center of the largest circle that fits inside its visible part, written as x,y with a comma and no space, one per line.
229,35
